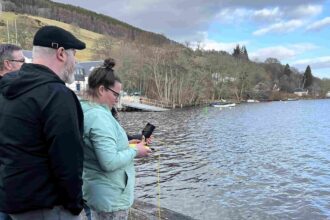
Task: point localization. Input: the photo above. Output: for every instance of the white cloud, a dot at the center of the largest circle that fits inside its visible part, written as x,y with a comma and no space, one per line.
214,45
281,52
208,44
314,63
281,27
267,14
303,11
303,47
233,15
268,3
318,25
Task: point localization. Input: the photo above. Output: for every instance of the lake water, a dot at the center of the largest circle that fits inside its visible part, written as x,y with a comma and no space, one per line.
253,161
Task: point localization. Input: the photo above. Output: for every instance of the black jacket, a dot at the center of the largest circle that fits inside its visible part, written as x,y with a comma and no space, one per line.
41,157
114,113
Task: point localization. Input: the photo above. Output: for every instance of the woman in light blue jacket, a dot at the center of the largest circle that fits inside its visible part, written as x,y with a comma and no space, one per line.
109,174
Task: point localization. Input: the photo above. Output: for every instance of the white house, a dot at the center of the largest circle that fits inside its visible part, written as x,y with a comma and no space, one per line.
82,71
328,94
300,92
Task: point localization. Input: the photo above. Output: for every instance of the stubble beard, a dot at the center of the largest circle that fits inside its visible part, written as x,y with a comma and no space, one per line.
68,72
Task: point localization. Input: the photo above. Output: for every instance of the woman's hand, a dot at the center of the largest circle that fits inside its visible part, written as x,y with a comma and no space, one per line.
143,151
149,140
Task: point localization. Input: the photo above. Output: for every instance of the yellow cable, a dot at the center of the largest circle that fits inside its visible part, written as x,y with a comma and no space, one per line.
158,186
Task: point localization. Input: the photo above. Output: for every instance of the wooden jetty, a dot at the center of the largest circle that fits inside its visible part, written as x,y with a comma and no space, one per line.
142,107
139,103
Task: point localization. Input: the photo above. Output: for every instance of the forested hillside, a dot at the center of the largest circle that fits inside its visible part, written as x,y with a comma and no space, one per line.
156,66
83,18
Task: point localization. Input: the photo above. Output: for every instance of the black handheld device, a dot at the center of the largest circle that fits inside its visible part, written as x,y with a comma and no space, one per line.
147,130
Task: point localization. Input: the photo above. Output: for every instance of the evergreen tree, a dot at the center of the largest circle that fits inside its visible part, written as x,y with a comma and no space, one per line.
240,53
244,54
307,78
237,51
287,70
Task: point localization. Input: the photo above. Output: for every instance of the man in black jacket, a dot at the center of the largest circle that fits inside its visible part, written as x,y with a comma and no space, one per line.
11,59
41,125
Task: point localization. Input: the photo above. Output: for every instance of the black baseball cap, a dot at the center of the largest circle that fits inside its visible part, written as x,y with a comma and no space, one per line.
56,37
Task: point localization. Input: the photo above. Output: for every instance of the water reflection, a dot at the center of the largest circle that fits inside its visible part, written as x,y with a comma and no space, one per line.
254,161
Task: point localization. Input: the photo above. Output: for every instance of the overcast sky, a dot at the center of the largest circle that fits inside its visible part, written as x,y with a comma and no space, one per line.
293,31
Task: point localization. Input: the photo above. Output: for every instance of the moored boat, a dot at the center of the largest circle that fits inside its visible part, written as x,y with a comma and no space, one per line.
292,99
223,104
252,101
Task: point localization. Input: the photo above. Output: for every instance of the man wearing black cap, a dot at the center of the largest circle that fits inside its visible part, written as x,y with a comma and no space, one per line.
41,125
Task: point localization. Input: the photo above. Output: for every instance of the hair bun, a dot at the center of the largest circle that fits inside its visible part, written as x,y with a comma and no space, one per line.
109,63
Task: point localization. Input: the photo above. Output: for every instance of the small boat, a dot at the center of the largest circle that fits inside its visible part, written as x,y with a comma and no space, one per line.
292,99
251,101
223,104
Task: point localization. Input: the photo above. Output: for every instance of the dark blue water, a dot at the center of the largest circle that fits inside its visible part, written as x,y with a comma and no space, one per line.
253,161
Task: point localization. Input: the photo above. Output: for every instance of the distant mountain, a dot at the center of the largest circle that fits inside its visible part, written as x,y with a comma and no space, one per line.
86,19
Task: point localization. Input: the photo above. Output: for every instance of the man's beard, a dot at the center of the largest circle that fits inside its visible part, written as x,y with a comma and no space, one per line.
68,72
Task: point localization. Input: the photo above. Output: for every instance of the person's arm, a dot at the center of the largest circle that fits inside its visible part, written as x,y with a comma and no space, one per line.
135,136
62,135
103,135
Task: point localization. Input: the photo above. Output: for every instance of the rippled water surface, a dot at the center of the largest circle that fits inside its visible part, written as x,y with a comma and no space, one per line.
254,161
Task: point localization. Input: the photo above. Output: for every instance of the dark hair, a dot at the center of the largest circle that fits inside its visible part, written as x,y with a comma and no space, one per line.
103,75
6,52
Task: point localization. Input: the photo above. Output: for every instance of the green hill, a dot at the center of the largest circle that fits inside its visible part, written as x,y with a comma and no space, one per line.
29,24
85,19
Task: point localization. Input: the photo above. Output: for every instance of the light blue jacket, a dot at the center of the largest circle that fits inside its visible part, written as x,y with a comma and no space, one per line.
109,174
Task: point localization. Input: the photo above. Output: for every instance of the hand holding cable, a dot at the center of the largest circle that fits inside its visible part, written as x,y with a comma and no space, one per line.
142,149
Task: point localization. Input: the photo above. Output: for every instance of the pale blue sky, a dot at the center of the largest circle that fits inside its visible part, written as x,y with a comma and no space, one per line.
293,31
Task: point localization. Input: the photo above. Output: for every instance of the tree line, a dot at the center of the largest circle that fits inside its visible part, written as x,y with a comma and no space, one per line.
180,75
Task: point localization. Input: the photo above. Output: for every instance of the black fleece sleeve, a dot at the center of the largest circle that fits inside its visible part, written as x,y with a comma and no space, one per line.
134,136
63,136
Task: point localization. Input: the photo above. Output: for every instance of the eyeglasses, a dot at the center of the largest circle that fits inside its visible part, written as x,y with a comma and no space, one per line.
116,94
19,61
